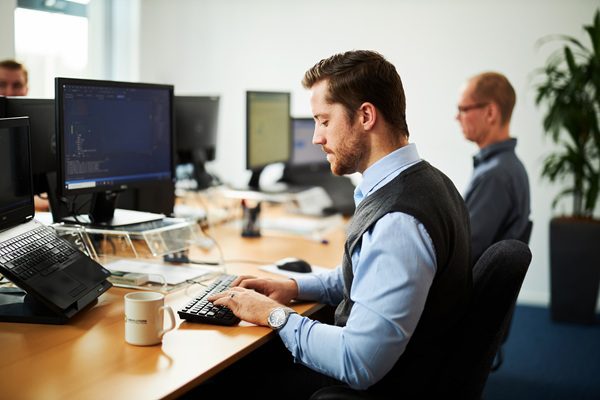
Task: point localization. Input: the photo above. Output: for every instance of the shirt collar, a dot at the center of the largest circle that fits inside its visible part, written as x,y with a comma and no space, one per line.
495,148
385,169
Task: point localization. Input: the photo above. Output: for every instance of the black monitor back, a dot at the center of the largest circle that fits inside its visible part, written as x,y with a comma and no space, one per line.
196,123
42,131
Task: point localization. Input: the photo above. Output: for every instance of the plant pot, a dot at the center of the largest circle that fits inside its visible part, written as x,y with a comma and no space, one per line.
574,269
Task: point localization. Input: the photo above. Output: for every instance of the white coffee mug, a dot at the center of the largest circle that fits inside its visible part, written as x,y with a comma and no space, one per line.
144,318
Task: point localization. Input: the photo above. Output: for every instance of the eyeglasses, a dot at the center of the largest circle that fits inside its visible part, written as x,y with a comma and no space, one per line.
466,109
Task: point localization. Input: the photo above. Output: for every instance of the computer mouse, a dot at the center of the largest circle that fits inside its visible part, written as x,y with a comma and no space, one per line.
293,265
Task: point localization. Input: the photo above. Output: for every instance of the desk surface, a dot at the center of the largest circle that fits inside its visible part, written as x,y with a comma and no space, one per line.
89,359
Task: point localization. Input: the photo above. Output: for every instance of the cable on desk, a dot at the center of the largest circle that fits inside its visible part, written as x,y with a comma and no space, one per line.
199,281
204,228
182,257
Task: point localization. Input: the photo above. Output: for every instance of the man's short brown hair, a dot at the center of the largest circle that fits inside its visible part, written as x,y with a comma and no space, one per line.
362,76
14,66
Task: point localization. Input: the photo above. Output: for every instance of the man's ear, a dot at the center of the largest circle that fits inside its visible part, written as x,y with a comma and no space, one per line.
367,114
493,114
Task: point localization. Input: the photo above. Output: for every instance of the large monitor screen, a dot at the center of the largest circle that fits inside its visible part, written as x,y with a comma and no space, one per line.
196,123
268,138
113,135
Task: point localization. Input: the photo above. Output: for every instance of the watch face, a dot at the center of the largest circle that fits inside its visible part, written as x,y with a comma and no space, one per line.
277,318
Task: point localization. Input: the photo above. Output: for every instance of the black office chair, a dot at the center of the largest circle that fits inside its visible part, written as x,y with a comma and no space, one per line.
499,358
497,279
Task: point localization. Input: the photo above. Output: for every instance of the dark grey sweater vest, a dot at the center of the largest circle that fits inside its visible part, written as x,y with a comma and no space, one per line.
427,194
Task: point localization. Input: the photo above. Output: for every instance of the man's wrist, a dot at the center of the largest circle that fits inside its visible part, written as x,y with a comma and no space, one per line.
278,317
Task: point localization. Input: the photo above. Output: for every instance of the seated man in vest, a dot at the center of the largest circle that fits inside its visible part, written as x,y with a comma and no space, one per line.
405,278
498,195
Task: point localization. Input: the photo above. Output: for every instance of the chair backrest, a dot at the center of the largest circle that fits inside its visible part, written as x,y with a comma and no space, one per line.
525,239
497,279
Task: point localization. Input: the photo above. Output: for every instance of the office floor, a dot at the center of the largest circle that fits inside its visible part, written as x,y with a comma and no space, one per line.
547,360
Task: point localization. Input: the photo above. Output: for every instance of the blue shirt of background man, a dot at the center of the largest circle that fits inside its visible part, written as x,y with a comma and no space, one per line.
497,197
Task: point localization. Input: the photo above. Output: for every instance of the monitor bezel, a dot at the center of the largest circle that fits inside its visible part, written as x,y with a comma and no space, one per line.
2,106
60,82
259,167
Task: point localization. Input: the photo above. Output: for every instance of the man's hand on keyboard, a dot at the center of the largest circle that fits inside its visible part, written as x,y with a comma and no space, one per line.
246,304
281,290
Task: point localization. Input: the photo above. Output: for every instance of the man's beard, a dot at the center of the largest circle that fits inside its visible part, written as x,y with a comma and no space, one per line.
349,154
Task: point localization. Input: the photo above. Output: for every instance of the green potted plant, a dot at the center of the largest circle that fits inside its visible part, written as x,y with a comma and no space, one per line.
570,91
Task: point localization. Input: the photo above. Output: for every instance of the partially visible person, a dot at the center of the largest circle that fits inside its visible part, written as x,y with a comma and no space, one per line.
404,281
13,79
14,82
498,194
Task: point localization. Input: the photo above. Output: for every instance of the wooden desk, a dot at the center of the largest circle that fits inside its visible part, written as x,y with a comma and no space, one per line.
89,359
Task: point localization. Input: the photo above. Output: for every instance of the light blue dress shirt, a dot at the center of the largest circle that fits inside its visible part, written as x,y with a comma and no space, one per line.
393,271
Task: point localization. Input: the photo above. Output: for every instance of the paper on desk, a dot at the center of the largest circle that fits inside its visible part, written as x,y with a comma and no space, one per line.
173,274
290,274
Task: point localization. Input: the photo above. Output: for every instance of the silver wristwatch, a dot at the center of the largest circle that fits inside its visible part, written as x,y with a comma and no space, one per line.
278,317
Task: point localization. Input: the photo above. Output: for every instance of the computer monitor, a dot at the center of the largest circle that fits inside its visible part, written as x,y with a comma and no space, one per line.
308,166
42,131
196,122
305,154
268,137
112,136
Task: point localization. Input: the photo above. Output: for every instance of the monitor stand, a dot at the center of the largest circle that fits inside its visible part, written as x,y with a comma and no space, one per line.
17,306
103,213
121,218
203,179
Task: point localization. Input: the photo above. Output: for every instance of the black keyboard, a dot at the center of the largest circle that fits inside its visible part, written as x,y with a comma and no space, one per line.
33,252
203,311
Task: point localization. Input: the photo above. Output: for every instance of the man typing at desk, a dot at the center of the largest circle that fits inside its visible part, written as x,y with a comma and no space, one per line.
405,278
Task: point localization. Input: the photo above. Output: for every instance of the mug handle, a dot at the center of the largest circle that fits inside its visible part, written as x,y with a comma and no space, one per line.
171,318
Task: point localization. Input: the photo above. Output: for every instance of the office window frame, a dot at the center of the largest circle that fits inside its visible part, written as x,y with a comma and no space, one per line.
43,68
69,7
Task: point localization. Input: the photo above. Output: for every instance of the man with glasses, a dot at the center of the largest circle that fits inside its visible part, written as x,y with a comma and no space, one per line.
498,195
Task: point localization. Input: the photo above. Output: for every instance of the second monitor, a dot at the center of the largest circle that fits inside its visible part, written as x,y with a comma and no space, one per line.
308,166
267,131
196,123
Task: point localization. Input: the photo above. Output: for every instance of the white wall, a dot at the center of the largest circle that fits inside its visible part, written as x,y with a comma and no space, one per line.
227,47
